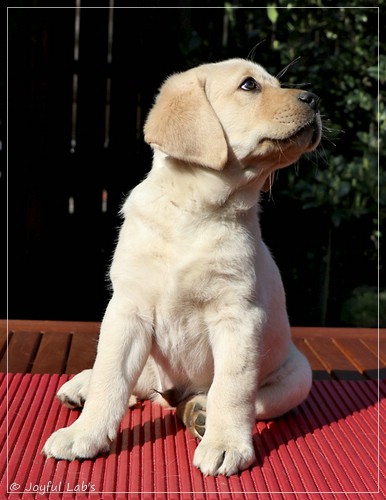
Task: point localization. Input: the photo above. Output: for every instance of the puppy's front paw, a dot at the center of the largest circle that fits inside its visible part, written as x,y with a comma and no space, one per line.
74,442
214,457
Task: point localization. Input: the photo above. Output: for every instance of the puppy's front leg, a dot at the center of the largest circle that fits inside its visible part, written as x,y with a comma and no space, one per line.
227,445
123,348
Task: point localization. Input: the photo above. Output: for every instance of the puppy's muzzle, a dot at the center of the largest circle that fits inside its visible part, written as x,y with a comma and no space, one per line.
311,99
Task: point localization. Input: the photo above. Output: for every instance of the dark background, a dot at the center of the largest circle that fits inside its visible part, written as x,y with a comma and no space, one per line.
75,136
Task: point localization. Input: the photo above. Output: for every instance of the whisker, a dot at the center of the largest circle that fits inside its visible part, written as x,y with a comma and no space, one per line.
284,70
295,85
252,52
331,134
329,140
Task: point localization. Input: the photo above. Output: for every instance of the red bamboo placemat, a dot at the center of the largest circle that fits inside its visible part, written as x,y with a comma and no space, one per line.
331,446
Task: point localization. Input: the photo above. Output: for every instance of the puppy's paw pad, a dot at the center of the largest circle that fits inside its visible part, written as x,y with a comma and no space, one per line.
197,421
193,414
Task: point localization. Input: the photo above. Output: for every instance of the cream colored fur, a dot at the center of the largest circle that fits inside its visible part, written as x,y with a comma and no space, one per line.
198,304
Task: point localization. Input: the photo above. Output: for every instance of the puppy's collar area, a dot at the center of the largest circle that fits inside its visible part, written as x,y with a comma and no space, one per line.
198,190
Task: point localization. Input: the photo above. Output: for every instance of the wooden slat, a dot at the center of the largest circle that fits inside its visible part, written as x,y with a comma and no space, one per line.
52,355
382,348
333,360
21,352
362,358
3,341
337,333
377,347
49,346
82,352
84,327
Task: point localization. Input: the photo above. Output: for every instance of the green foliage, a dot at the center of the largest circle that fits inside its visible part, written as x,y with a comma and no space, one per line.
365,308
342,43
272,14
344,190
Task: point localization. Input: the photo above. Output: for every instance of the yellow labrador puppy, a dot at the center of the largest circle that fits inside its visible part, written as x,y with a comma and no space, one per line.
198,316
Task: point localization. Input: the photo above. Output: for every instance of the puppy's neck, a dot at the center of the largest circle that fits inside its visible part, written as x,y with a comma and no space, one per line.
235,190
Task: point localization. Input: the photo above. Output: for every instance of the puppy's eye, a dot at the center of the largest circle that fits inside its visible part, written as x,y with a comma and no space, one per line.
250,84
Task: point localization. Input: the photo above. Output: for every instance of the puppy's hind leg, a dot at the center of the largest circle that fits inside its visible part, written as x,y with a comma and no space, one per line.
285,389
73,393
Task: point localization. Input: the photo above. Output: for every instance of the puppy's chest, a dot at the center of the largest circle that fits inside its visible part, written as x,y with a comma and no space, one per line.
181,343
185,261
199,263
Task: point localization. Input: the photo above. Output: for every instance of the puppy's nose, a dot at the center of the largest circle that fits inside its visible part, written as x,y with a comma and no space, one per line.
309,98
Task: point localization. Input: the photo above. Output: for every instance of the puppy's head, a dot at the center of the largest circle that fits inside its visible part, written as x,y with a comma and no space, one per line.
219,113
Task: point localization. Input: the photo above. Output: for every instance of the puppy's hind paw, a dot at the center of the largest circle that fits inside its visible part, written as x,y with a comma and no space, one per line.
73,393
192,412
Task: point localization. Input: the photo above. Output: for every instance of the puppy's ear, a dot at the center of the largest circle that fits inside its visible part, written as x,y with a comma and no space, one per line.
183,124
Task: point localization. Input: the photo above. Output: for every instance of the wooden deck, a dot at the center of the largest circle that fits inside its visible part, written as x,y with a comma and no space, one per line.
56,347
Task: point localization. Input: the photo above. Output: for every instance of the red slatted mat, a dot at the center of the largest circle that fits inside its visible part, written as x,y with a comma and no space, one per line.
329,447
